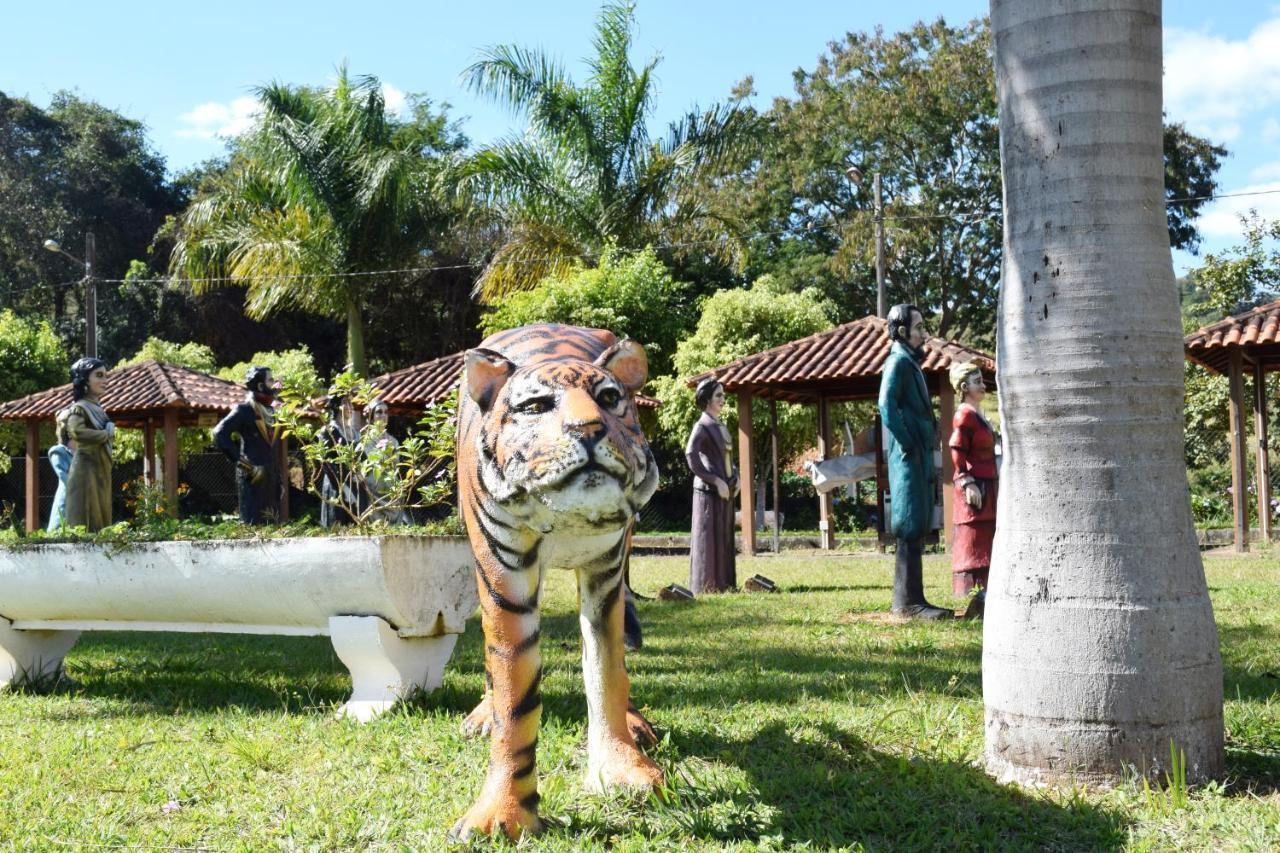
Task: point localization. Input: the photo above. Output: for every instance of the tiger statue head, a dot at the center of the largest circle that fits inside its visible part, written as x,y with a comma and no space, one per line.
560,442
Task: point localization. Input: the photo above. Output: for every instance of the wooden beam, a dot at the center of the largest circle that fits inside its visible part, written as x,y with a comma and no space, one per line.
171,461
826,524
33,475
1263,478
149,453
773,451
746,474
1239,479
947,410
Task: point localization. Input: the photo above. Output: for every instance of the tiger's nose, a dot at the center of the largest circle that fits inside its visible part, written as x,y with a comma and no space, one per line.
582,417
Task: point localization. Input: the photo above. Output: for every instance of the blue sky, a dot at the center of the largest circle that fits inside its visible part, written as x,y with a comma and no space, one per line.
186,69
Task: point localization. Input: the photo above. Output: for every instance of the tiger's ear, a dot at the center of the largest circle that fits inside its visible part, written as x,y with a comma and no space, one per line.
627,361
484,373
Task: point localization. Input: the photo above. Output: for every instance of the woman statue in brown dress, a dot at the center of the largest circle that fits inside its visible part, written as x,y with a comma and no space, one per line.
89,480
711,548
973,452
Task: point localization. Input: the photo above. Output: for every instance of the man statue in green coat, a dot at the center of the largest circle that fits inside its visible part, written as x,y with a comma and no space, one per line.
907,412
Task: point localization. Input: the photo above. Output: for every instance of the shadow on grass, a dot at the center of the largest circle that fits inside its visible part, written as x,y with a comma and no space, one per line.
835,790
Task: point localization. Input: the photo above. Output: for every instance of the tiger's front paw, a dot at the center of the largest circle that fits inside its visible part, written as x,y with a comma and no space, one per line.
625,767
502,813
480,721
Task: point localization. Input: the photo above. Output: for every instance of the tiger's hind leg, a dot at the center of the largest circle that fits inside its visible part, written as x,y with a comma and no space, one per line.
613,759
509,593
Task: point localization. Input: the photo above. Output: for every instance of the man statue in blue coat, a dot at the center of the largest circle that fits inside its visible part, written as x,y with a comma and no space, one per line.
907,412
257,471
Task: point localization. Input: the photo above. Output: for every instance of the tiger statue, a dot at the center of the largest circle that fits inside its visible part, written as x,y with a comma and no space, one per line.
552,469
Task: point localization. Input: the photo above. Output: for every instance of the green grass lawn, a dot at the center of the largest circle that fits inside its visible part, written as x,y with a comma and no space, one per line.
791,720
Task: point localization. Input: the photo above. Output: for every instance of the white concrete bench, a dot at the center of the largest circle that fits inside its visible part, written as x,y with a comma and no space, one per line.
392,606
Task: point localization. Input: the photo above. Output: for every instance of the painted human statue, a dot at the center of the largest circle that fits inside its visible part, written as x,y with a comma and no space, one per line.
249,436
973,514
87,424
382,441
907,413
712,554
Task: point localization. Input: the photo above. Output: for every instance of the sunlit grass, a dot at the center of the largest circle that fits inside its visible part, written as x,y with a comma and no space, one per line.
789,720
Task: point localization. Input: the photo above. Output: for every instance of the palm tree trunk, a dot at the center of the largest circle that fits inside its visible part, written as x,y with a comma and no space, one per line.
355,339
1100,648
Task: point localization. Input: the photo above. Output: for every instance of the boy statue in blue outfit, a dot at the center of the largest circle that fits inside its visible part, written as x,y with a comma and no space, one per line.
907,412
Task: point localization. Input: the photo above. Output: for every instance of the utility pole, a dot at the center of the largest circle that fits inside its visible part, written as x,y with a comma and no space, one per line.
882,308
91,296
854,174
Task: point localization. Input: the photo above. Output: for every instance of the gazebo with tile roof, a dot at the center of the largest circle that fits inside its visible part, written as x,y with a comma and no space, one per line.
143,396
1249,340
839,365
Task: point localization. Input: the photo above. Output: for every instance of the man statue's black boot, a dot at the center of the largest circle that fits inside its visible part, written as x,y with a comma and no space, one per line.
908,584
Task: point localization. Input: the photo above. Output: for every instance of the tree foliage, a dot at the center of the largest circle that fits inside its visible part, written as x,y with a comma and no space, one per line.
919,108
293,368
734,324
588,173
31,359
64,171
1247,274
326,190
632,295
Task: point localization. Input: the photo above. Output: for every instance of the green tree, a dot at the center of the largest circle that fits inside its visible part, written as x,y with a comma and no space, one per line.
734,324
919,107
66,170
293,368
31,359
588,172
1247,274
326,190
632,295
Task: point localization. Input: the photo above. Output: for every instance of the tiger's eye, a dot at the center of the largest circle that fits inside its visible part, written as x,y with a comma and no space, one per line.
609,397
535,406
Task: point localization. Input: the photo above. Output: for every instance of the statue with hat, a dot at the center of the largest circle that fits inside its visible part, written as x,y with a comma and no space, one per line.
973,452
907,413
249,436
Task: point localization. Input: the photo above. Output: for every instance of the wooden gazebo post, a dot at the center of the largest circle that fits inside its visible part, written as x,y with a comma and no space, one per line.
149,453
33,475
171,461
826,503
1264,461
1239,477
746,473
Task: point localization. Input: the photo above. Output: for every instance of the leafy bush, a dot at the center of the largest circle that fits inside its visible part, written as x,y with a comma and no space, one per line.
31,359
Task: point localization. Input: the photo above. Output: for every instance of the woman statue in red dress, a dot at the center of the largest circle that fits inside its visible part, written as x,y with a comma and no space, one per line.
973,453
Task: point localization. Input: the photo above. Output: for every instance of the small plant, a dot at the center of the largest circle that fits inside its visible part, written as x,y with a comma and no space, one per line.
377,478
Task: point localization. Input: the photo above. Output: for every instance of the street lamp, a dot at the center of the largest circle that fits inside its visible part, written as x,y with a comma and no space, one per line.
854,174
91,295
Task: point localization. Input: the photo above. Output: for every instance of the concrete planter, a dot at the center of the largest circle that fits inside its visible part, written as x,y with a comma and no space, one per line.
393,606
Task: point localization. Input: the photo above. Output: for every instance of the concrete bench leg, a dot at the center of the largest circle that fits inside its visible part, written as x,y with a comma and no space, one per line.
30,656
384,666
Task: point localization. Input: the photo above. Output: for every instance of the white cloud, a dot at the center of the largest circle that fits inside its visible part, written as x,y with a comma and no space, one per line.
396,101
1212,82
1266,172
213,119
1221,218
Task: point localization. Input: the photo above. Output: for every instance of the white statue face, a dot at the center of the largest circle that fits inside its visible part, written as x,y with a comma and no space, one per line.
97,379
974,388
917,335
717,402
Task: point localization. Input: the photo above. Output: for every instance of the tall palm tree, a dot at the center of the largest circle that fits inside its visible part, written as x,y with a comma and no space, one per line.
325,191
1100,653
587,172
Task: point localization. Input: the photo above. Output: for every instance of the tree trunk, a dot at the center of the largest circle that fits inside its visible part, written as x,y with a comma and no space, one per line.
1100,649
355,340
